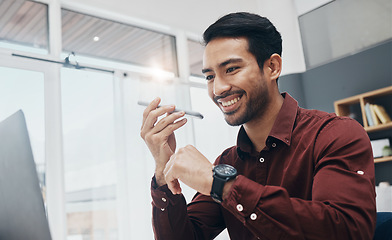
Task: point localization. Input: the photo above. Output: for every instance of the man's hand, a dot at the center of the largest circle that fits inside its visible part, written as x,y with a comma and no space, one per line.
159,135
192,168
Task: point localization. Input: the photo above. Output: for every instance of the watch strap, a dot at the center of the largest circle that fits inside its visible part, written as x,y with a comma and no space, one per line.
217,188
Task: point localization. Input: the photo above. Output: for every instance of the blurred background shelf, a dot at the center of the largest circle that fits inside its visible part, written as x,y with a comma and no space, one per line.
354,107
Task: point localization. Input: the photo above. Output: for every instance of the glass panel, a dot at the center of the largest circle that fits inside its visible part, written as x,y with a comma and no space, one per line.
196,50
97,37
23,89
24,23
344,27
89,155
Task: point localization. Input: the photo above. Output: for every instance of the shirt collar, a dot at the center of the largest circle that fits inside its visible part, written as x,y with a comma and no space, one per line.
282,128
284,123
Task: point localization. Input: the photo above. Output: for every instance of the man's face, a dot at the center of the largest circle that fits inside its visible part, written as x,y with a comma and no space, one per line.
235,82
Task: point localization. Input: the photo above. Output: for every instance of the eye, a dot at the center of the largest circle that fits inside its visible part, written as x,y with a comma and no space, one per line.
209,77
231,69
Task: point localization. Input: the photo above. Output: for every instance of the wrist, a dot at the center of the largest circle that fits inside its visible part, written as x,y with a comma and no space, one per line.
160,178
222,174
227,188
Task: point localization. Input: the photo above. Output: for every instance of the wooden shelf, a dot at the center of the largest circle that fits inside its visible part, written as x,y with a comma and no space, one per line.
383,159
343,108
380,127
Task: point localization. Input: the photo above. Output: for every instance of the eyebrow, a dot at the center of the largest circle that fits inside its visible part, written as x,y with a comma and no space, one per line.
222,64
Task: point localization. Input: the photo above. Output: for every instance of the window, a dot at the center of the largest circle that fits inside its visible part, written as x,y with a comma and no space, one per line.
89,153
24,24
96,37
195,58
23,89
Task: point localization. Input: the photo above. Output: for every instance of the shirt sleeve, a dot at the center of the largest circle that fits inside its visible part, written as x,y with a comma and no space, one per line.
172,219
343,193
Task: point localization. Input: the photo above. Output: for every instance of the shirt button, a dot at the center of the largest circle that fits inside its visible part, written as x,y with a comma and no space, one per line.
360,172
273,145
261,160
162,209
164,199
240,207
253,216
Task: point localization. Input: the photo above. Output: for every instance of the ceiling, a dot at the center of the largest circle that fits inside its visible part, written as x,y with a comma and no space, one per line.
23,22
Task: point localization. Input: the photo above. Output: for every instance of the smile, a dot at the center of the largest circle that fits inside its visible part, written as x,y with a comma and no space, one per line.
231,102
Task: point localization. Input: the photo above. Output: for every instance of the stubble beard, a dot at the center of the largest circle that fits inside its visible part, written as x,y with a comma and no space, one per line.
255,108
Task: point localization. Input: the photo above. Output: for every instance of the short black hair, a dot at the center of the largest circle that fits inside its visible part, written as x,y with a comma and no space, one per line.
263,38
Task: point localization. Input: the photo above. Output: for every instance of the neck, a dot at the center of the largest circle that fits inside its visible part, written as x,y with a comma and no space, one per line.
258,129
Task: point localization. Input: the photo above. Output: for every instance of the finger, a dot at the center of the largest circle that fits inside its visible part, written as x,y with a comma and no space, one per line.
169,130
167,124
170,122
153,105
170,177
174,186
151,117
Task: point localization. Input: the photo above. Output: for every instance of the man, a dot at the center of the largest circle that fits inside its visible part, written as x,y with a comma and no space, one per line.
294,173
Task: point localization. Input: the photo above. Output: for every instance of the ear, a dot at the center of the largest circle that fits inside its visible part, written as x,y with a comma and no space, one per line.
274,66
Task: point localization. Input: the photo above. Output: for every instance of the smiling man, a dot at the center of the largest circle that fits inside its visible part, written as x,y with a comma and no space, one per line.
293,174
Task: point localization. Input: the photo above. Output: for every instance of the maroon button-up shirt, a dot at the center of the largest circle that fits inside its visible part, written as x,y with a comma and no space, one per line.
313,180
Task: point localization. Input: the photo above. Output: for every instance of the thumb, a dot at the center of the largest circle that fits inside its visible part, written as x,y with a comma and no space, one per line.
174,186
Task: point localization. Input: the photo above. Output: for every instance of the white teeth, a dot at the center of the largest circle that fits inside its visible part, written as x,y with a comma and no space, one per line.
229,103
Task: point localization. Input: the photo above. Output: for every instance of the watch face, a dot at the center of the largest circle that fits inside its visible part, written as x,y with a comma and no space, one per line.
225,170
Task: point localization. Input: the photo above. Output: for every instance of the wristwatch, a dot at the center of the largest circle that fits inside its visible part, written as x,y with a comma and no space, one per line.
222,173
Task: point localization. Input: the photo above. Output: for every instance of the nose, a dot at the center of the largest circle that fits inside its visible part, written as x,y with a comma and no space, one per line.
220,86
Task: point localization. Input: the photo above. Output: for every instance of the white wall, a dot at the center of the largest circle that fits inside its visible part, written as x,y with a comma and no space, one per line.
283,15
304,6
